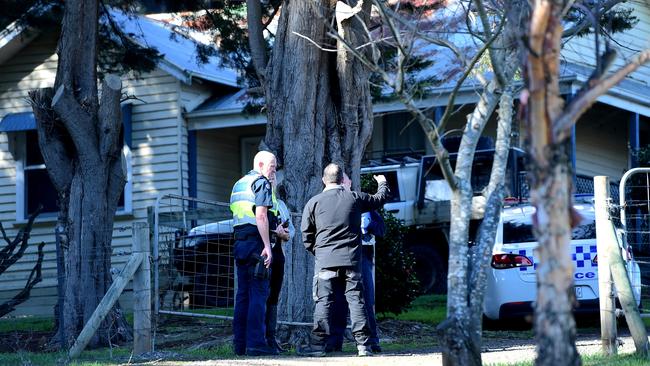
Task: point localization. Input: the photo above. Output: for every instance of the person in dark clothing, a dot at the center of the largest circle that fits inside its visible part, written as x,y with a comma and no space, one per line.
253,206
372,226
282,234
331,230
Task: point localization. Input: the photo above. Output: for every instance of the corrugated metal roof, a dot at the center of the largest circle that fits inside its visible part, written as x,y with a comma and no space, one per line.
177,48
14,122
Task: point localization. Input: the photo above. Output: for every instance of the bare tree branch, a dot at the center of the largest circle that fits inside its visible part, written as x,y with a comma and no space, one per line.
468,70
586,21
8,257
563,126
256,37
496,66
34,278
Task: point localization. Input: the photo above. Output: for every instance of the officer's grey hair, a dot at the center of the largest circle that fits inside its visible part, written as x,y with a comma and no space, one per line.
333,174
262,157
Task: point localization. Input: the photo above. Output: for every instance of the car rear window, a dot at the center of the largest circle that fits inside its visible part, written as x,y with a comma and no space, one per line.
519,229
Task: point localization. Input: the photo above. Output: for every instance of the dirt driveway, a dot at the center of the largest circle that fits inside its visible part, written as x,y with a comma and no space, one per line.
501,351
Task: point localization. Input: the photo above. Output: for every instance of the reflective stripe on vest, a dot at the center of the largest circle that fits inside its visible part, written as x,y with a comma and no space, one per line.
242,200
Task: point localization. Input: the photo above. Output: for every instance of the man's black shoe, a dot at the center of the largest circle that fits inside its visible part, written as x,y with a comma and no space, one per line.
262,351
331,349
310,351
375,348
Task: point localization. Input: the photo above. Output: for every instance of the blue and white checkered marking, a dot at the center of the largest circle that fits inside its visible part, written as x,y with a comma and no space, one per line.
583,256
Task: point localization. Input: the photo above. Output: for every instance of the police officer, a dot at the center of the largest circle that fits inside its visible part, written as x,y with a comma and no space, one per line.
251,203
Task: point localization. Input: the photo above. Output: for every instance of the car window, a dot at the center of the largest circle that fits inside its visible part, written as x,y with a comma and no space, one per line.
519,228
587,227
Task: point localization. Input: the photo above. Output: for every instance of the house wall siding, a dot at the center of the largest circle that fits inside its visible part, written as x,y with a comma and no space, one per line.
219,160
581,50
158,158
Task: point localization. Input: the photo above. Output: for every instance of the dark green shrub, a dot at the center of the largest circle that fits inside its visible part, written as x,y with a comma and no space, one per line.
395,283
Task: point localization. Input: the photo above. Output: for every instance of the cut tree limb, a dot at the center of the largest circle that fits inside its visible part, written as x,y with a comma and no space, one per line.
110,117
77,121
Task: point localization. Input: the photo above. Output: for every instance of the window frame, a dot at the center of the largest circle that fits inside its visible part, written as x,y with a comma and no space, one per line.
20,143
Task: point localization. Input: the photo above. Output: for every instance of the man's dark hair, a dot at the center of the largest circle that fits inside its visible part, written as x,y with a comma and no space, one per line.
333,174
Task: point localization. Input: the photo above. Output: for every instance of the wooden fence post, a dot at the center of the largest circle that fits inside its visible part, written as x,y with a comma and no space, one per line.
605,289
142,291
624,288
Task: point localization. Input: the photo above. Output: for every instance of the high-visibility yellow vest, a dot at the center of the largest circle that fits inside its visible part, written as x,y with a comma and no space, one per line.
242,200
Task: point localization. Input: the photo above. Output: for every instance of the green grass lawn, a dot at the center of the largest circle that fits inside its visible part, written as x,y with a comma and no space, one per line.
428,309
27,323
425,313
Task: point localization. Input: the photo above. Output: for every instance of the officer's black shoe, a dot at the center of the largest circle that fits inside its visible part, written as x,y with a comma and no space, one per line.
331,348
311,351
375,348
262,351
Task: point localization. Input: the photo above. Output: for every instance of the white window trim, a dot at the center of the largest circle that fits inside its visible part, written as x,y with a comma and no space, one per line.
21,153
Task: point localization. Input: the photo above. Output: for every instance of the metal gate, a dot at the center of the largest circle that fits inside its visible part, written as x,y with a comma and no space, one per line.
193,264
634,200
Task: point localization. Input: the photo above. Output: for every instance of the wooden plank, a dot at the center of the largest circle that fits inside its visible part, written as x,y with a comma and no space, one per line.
105,305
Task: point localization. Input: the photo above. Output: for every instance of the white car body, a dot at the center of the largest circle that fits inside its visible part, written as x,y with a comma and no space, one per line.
511,292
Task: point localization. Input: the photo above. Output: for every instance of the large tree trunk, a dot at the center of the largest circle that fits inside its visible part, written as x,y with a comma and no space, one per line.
79,140
319,111
554,322
461,347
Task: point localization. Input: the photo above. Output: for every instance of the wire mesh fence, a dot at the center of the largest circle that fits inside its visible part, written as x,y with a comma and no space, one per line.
32,327
194,268
633,215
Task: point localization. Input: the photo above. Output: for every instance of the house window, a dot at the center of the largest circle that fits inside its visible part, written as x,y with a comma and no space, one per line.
38,187
402,135
33,184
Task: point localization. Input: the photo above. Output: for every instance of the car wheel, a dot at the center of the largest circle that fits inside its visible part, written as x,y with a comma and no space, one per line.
429,269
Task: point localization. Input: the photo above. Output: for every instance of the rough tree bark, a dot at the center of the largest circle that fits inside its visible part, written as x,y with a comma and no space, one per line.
79,137
549,127
319,111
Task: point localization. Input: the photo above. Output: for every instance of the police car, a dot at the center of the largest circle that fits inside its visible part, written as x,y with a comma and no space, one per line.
511,288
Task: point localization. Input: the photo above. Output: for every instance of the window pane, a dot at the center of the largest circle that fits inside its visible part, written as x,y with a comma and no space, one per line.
39,190
518,231
33,151
400,137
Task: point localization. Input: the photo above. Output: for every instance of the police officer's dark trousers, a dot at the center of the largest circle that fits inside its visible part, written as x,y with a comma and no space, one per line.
250,300
367,262
277,276
330,281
